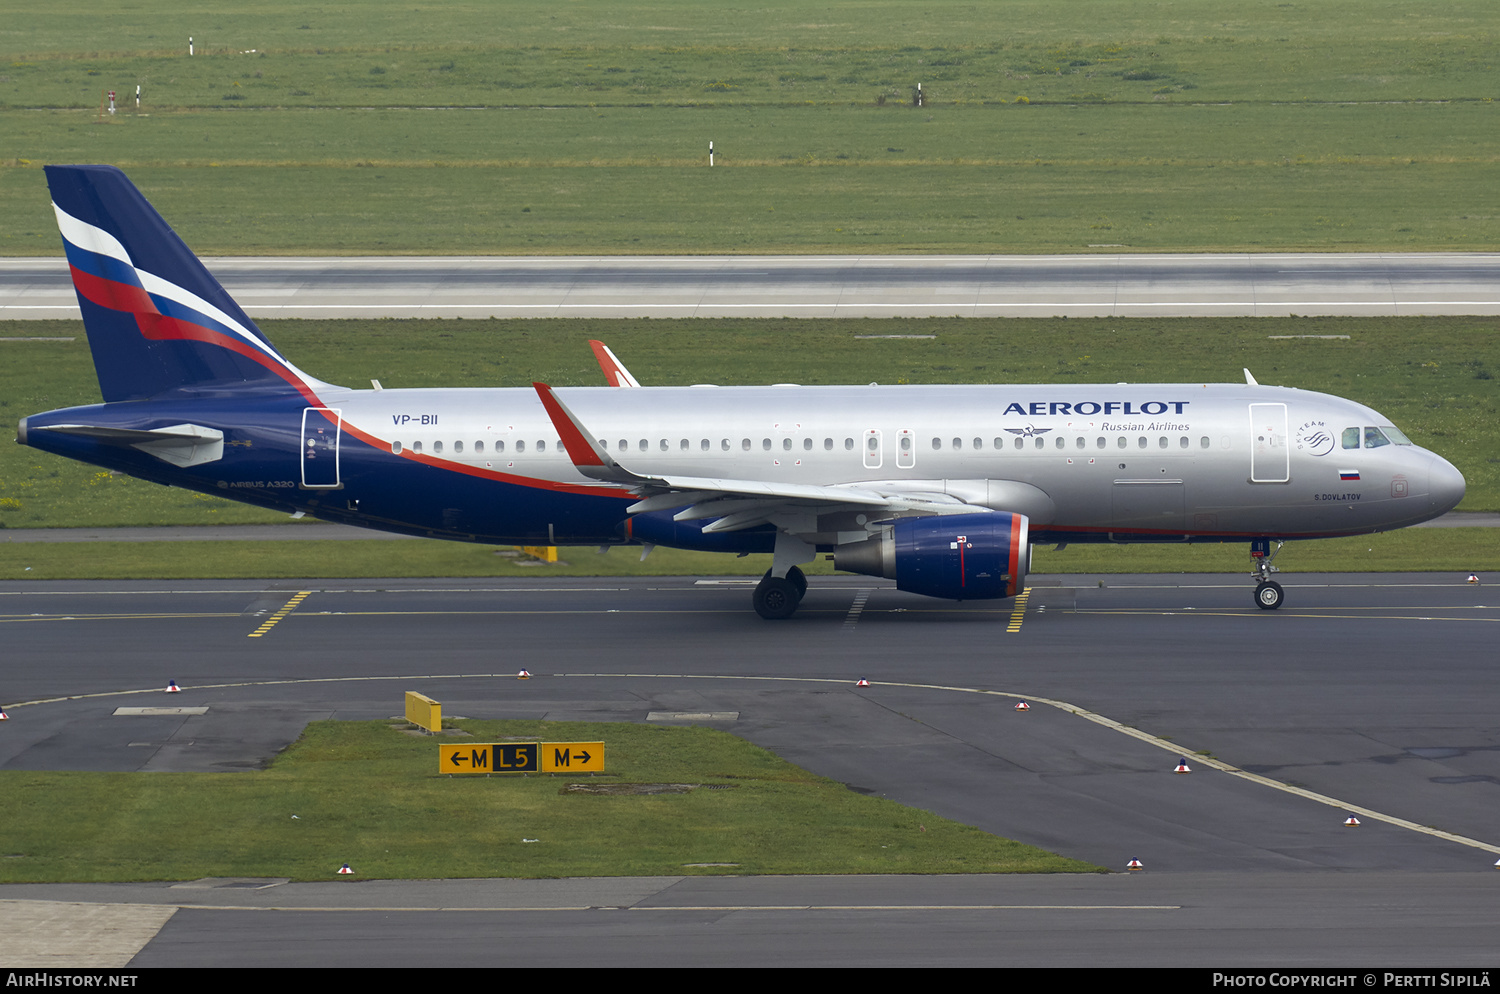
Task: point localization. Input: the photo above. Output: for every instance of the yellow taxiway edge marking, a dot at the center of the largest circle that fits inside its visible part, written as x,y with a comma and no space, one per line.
286,609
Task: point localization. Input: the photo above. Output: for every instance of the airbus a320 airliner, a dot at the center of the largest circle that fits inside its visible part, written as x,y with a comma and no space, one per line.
944,489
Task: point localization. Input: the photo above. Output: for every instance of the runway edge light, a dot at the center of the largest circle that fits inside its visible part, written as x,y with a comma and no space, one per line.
172,687
1182,766
1134,864
344,869
524,675
1022,706
1351,822
862,682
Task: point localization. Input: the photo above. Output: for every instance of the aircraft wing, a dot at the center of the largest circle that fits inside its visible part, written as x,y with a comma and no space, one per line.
738,504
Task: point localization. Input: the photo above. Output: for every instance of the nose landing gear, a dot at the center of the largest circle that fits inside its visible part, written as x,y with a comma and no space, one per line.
1268,593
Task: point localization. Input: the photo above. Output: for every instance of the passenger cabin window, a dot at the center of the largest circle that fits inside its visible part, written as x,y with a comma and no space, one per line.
786,445
396,448
937,443
807,444
437,447
416,446
541,445
458,446
500,445
848,444
478,447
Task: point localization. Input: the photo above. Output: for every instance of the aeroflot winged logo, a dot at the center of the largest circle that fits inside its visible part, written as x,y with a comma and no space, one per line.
1028,431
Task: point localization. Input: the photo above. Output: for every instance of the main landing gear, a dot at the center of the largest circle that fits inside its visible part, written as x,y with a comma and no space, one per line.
1268,593
777,597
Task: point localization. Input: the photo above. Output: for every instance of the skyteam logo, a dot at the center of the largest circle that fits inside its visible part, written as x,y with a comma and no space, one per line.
1314,438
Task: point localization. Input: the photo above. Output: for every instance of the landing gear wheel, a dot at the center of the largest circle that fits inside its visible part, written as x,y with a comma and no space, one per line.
776,598
1268,595
798,578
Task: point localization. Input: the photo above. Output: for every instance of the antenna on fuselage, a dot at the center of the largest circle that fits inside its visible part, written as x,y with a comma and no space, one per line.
1250,380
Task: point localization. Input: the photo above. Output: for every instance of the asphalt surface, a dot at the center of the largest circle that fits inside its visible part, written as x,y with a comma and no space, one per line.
1370,695
1272,284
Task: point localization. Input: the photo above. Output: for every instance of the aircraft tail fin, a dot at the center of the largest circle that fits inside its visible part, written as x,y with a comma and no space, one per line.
156,319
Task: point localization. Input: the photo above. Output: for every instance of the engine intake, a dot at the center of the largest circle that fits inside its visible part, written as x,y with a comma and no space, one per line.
957,556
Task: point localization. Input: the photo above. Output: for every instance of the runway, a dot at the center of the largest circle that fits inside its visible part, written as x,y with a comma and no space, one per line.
1365,693
1273,284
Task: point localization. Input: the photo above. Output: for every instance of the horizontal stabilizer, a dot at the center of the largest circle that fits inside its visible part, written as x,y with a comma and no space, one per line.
180,445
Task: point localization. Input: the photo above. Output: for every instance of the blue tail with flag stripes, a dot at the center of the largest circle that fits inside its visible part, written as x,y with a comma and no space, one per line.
157,320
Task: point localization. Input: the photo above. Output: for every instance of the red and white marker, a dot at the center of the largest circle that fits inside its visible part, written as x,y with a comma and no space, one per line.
4,716
172,687
344,869
1182,766
863,683
524,675
1022,706
1473,577
1134,864
1351,822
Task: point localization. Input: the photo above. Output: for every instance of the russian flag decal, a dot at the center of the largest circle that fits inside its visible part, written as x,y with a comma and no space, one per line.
1348,474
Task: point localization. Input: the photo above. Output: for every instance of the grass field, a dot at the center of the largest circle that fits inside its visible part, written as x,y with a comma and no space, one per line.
583,128
368,794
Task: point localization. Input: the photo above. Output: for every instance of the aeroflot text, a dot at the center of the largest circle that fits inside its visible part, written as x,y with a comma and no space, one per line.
1479,978
1090,407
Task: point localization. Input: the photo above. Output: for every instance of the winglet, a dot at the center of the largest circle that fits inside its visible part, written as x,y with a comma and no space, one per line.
587,455
615,372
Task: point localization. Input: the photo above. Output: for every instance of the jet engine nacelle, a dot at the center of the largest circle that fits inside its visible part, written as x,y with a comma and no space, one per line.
955,556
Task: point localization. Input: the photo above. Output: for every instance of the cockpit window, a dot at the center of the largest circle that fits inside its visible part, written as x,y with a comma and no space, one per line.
1351,438
1395,435
1375,438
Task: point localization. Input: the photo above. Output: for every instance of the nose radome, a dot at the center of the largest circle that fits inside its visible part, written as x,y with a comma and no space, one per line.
1446,483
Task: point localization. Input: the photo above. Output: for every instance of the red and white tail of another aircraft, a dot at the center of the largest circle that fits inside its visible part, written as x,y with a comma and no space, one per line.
615,372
